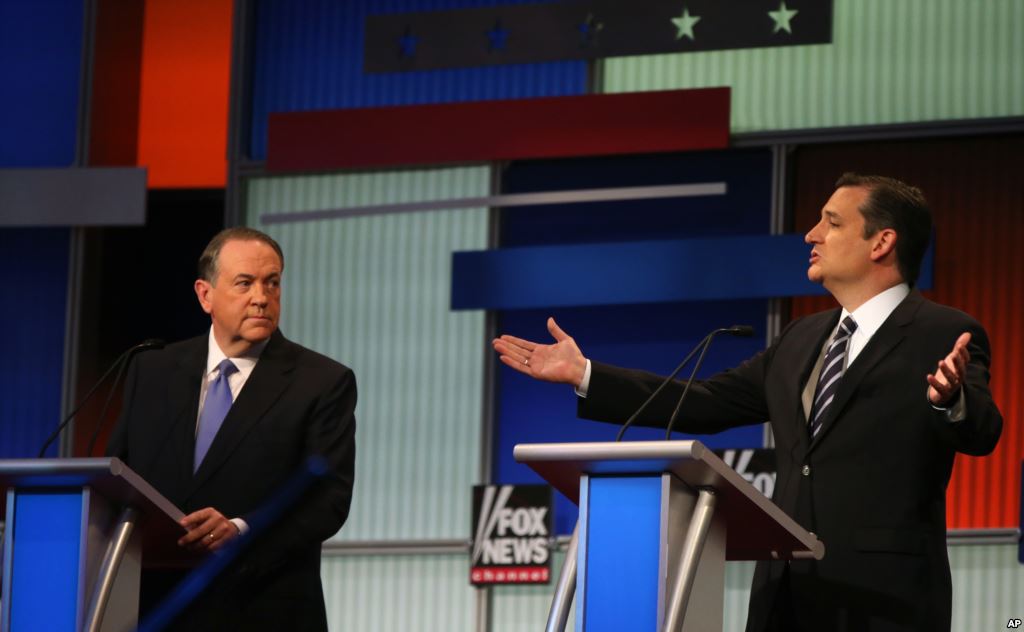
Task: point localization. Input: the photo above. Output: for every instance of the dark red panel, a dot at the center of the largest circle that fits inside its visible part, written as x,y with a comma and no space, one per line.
117,62
590,125
976,194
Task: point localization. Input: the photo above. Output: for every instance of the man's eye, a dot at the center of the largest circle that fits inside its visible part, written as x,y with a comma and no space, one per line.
244,284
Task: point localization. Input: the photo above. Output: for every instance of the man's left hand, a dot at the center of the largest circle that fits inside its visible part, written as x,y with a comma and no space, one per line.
949,376
208,530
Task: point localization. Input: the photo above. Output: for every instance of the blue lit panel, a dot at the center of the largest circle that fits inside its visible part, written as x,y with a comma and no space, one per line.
41,49
47,536
623,539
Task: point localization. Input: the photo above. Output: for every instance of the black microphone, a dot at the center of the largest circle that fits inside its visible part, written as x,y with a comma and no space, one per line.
743,331
736,330
120,363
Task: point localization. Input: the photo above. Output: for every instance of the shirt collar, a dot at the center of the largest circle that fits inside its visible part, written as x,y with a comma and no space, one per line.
872,314
245,363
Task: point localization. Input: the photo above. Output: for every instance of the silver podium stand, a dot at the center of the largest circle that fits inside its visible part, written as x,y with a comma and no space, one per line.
658,520
78,532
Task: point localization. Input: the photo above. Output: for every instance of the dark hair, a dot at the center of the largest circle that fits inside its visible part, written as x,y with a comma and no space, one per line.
208,260
901,207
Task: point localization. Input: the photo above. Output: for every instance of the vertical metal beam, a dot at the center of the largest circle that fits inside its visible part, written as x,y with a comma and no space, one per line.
76,235
778,222
484,604
239,111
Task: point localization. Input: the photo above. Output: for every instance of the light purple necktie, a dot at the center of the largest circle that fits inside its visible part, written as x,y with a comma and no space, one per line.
215,409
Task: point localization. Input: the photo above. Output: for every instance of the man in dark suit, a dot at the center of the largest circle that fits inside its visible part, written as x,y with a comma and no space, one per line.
868,404
219,423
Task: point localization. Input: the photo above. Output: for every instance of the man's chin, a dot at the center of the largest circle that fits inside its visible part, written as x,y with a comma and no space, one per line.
259,333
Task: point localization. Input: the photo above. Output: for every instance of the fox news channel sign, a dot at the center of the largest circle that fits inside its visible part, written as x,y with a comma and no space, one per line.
511,535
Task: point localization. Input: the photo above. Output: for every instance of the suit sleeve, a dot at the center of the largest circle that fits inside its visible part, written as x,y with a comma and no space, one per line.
726,400
978,433
329,433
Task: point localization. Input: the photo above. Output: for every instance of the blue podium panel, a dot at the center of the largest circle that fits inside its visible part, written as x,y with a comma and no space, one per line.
45,570
619,553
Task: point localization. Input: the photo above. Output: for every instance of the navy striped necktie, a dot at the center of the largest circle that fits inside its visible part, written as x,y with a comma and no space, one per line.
831,373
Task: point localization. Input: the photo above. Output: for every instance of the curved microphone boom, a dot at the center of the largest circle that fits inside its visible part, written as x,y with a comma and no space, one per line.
743,331
735,330
120,363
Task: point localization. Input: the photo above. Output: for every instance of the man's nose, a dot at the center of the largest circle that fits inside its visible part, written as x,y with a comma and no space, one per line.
259,294
810,237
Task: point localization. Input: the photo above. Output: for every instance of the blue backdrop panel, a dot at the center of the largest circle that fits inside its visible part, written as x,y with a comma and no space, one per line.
620,575
716,268
652,336
41,53
33,322
44,593
308,55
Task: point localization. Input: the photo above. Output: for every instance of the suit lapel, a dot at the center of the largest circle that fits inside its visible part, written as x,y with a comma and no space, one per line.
887,338
268,380
183,390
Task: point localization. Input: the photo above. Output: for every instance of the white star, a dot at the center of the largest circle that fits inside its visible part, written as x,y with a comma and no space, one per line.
782,18
684,24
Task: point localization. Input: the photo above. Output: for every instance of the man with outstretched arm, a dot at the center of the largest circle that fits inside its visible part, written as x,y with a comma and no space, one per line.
868,403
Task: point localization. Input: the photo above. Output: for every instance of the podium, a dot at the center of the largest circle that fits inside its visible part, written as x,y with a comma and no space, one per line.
658,520
78,532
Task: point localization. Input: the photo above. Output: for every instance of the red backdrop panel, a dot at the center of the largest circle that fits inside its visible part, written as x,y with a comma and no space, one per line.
588,125
183,104
977,197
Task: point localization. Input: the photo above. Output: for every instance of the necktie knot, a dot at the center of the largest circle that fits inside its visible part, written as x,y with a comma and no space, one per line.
226,368
849,325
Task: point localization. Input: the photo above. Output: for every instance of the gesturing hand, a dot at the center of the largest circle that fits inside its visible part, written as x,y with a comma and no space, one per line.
949,376
561,362
208,530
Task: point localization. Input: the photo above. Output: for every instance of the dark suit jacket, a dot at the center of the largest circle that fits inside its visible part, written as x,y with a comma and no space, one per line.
296,403
871,484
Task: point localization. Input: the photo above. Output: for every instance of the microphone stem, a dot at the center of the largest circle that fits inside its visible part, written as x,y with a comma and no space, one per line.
661,387
689,382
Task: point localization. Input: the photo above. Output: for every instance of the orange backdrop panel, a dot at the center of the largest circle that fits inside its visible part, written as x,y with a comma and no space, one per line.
976,194
183,105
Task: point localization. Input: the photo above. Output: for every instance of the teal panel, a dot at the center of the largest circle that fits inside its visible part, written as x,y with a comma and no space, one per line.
890,62
373,292
525,608
421,593
988,586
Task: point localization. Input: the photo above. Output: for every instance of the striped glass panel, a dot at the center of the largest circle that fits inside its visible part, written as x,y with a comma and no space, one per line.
373,292
421,593
889,62
525,608
988,586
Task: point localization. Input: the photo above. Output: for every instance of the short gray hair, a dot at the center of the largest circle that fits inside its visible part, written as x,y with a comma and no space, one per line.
208,260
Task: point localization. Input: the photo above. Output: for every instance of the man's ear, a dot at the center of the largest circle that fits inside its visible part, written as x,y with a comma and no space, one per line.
203,289
884,243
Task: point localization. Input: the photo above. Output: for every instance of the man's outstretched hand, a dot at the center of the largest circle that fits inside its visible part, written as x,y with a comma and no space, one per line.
950,374
560,362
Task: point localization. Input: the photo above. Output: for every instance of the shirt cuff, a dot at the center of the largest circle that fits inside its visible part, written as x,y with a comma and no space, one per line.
581,390
956,412
241,525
